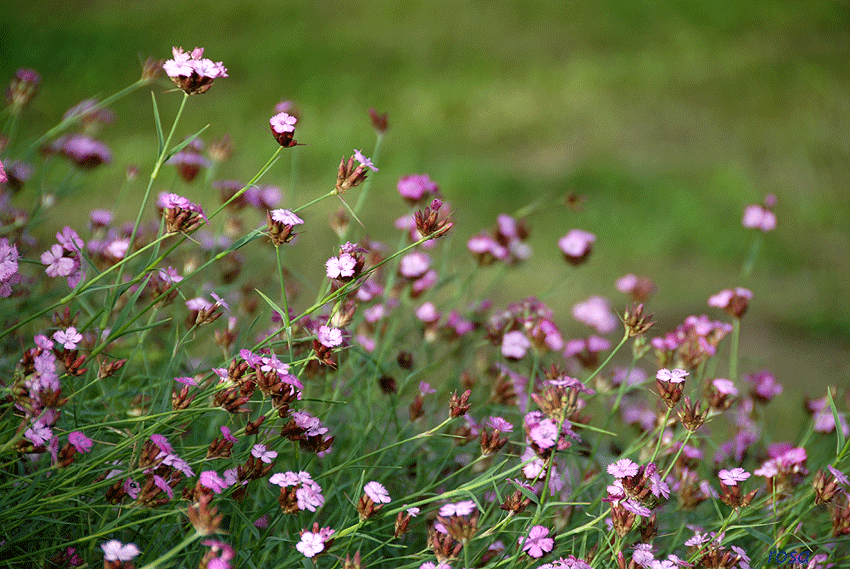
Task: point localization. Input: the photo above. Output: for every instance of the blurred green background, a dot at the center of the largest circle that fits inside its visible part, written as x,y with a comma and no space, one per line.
669,115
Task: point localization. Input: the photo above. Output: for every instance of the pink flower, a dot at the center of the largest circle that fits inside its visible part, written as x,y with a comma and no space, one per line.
329,337
68,338
415,186
114,550
724,386
260,451
622,468
756,216
311,543
673,376
414,265
283,122
576,245
515,345
732,477
286,217
596,313
365,161
341,267
537,543
57,264
376,492
210,479
186,381
463,508
225,432
80,442
499,424
544,434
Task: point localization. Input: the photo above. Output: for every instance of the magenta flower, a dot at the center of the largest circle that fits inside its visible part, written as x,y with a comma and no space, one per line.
622,468
265,455
537,543
365,161
732,477
499,424
515,345
114,550
210,479
840,477
673,376
544,434
80,442
186,381
636,508
416,187
463,508
643,554
3,177
376,492
69,338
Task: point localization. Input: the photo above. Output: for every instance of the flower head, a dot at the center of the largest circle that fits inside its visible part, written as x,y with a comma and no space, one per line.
193,73
622,468
576,246
114,550
537,543
732,477
376,492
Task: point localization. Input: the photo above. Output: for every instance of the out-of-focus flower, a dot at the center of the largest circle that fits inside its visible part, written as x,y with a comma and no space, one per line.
192,72
758,216
417,187
515,345
22,88
190,160
379,121
576,246
733,301
596,313
114,550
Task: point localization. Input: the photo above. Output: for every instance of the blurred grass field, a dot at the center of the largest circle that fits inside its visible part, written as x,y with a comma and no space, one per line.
669,116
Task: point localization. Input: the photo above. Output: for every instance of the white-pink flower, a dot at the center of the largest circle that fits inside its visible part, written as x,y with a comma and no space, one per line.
376,492
114,550
537,543
69,338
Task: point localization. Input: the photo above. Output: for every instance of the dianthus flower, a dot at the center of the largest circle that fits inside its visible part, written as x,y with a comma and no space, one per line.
672,376
313,542
283,129
576,246
463,508
193,73
329,337
376,492
537,543
210,479
341,267
622,468
260,451
114,550
733,301
416,187
69,338
596,313
515,345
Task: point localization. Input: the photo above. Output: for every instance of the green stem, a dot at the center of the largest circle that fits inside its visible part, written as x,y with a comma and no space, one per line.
733,349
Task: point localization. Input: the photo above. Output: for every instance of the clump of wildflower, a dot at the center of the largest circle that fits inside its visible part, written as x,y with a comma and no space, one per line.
733,301
348,265
670,384
459,520
760,216
298,492
280,223
180,215
283,129
576,246
192,72
349,176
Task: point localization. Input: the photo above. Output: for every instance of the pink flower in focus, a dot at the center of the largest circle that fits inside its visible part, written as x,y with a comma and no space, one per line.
210,479
463,508
286,217
57,264
341,267
622,468
265,455
69,338
283,122
80,442
537,543
329,337
673,376
732,477
376,492
499,424
114,550
365,161
544,434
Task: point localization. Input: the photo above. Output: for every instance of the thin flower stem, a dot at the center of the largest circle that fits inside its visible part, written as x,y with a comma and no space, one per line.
661,433
678,452
285,315
174,551
733,349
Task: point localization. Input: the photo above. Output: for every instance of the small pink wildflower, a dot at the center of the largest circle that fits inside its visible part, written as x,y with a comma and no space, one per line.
515,345
260,451
69,338
596,313
210,479
283,122
376,492
114,550
365,161
537,543
341,267
186,381
57,264
732,477
329,337
80,442
499,424
463,508
673,376
622,468
286,217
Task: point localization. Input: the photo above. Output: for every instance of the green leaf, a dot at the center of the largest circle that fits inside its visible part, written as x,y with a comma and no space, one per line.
762,537
270,302
160,138
839,432
183,144
527,493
